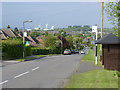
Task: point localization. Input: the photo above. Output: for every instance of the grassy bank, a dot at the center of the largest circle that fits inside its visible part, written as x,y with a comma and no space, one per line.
94,79
90,57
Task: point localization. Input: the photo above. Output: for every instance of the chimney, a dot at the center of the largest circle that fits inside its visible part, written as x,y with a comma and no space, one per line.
8,26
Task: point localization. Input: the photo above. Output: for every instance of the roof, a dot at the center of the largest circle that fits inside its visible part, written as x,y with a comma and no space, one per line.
8,32
34,40
108,39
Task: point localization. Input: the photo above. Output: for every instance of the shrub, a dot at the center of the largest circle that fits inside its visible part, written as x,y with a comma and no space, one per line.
118,73
12,49
28,50
39,51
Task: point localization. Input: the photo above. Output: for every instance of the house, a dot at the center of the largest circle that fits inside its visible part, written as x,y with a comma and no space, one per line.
110,51
32,41
7,32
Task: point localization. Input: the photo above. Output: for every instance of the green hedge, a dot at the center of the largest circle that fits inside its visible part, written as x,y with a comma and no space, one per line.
28,51
38,51
13,49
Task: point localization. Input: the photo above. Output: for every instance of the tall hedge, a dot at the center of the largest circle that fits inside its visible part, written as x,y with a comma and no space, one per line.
12,49
38,51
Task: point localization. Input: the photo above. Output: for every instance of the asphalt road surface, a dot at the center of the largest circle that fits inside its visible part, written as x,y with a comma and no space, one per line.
48,72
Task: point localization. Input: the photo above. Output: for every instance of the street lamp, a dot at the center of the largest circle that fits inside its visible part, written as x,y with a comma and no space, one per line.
24,38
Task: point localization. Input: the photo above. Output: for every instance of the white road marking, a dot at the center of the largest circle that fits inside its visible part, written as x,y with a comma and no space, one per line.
3,82
21,74
35,68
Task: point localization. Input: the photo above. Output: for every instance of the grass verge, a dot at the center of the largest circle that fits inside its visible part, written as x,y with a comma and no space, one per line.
94,79
23,59
90,57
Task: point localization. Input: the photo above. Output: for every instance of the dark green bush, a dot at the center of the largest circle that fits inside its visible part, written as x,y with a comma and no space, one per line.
12,49
38,51
28,50
118,73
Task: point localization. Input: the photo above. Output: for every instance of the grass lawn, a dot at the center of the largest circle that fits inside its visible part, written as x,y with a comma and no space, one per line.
94,79
90,57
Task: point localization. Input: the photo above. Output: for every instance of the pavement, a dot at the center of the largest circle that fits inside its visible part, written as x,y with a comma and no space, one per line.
47,72
87,66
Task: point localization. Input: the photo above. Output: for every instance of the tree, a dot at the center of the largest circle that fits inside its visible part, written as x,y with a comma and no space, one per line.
50,41
63,33
35,34
113,11
16,30
46,33
69,26
70,41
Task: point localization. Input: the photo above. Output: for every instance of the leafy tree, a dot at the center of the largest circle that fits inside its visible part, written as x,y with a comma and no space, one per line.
63,33
35,34
113,11
64,41
69,26
16,30
70,41
46,33
50,41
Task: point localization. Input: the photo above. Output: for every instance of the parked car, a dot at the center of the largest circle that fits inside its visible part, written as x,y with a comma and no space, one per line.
72,51
76,51
67,52
82,52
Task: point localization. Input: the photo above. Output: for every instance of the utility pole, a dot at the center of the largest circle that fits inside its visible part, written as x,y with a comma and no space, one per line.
101,29
102,20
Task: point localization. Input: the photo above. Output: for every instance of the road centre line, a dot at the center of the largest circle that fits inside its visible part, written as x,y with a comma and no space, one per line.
3,82
21,74
35,68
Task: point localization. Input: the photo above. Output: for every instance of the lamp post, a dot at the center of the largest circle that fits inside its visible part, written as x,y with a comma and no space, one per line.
24,37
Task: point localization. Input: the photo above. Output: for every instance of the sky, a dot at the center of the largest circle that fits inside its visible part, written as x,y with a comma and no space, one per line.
58,14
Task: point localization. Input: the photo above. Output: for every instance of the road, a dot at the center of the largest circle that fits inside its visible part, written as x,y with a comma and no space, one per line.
48,72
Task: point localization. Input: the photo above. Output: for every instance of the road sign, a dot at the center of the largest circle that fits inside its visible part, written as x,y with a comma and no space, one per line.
27,42
25,34
94,28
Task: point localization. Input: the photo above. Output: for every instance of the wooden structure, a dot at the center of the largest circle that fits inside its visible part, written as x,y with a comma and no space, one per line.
110,51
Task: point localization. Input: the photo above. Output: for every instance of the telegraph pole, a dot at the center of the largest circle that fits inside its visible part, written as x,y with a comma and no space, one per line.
101,28
102,20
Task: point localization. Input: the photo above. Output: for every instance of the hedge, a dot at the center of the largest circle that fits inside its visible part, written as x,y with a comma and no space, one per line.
13,49
38,51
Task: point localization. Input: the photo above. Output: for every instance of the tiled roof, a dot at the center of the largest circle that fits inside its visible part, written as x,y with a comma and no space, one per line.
108,39
34,40
8,32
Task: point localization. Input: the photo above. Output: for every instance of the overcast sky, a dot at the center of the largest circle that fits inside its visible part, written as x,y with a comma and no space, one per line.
54,14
